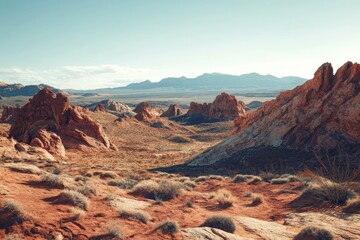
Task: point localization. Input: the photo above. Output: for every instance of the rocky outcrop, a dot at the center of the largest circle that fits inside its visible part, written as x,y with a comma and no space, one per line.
225,106
205,233
112,106
322,114
50,122
100,108
145,112
7,115
173,111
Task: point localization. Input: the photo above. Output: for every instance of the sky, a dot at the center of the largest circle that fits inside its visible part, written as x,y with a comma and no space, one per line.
87,44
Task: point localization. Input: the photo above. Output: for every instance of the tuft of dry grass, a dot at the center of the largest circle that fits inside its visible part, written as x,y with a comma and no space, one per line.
189,185
113,229
255,180
134,214
52,180
223,223
73,198
146,188
257,199
314,233
13,211
223,197
164,190
279,180
126,183
108,174
216,177
77,214
201,178
23,168
168,227
239,178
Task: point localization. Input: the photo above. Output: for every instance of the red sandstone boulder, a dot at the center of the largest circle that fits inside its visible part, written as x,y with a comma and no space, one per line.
145,112
322,114
99,108
225,106
173,110
50,122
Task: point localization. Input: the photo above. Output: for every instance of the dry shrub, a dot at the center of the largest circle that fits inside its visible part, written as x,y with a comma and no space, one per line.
257,199
314,233
23,168
239,178
108,174
113,229
268,176
126,183
255,180
77,214
73,198
224,223
279,180
224,198
134,214
52,180
168,227
12,212
189,185
216,177
164,190
201,178
248,194
146,188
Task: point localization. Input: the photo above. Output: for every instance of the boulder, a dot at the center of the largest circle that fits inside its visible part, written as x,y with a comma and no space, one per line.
50,122
145,112
205,233
173,111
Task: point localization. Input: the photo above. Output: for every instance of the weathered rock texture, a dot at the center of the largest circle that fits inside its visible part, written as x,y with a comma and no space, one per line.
225,106
7,115
111,105
99,108
50,122
173,111
322,114
206,233
145,112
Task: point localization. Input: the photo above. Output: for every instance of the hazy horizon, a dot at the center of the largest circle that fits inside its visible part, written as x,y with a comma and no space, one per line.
97,44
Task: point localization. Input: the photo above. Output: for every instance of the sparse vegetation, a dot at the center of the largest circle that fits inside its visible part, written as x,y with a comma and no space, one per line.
134,214
268,176
248,194
189,204
13,211
126,183
73,198
224,223
56,171
257,199
241,178
164,190
77,214
52,180
86,189
201,178
224,198
314,233
108,174
255,180
279,181
23,168
216,177
114,230
168,227
189,185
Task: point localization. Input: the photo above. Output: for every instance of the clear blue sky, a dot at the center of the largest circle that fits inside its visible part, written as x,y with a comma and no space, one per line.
102,43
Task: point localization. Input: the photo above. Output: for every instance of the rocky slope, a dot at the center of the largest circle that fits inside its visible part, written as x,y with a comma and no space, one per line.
224,106
322,114
112,106
50,122
10,90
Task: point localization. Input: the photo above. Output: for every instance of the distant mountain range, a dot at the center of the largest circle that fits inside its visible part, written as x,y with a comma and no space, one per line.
11,90
221,81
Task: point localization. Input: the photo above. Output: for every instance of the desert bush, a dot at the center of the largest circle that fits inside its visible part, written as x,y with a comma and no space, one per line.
241,178
108,174
216,177
13,211
126,183
248,194
352,206
113,229
255,180
73,198
56,171
257,199
86,189
314,233
146,188
224,198
189,204
77,214
189,185
167,190
201,178
168,227
81,178
134,214
88,174
52,180
268,176
23,168
335,193
224,223
183,179
279,180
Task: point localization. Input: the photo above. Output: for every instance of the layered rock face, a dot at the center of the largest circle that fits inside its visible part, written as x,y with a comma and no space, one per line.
225,106
173,111
50,122
145,112
115,106
99,108
322,114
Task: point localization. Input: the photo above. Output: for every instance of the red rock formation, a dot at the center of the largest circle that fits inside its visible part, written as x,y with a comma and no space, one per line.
8,114
321,114
48,121
225,106
100,108
173,110
145,112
